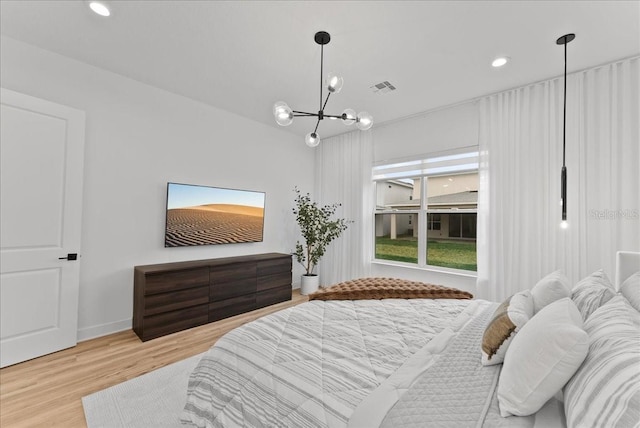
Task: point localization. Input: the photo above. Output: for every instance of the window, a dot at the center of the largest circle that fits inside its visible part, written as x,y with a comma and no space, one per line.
440,192
433,221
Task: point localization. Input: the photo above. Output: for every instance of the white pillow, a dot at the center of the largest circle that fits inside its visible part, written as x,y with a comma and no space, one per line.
507,320
542,358
605,391
630,289
552,287
592,292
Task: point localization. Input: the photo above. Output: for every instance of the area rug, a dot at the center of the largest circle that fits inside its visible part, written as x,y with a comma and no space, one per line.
154,400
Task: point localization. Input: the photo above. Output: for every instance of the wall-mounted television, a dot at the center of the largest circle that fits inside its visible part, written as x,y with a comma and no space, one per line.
204,215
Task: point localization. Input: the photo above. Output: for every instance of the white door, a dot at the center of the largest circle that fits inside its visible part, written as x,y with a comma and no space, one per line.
42,156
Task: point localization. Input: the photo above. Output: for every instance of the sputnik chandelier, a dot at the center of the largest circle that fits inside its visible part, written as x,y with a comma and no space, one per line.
284,114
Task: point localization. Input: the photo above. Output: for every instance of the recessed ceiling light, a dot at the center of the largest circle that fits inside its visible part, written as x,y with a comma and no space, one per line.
99,8
500,61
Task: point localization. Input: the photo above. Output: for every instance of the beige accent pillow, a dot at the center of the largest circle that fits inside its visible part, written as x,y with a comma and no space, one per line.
507,320
552,287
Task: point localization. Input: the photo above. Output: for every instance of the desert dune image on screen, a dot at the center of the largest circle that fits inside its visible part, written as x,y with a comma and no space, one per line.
202,215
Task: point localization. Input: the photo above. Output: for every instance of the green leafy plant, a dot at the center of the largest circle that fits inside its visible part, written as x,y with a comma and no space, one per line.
318,229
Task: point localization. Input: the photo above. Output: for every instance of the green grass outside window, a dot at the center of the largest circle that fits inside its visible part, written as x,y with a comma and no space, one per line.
451,254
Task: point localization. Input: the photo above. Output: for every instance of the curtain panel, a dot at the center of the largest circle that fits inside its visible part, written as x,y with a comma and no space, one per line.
343,175
519,211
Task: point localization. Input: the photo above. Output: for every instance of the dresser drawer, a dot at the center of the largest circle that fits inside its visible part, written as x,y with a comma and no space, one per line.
177,280
171,322
270,267
272,296
171,301
233,272
227,290
230,307
274,281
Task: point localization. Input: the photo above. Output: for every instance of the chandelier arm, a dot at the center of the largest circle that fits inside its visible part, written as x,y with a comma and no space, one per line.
334,117
326,101
316,128
303,113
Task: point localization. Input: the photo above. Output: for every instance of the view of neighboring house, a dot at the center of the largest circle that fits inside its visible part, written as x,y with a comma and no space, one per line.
445,196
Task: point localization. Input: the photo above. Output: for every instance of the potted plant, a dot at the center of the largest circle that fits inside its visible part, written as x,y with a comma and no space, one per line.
318,230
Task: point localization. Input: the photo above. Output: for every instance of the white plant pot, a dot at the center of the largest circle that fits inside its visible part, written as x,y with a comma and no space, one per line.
309,284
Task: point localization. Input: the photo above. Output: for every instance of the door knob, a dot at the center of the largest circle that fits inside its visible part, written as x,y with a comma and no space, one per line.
70,256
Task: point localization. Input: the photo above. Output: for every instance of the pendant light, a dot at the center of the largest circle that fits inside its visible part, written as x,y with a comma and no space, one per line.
284,114
564,40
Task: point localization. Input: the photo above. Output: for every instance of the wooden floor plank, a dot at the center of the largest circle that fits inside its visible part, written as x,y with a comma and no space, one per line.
47,391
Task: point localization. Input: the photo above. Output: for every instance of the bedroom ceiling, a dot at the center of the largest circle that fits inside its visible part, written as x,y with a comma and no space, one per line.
242,56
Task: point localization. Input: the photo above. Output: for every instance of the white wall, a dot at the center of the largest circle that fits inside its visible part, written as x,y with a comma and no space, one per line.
431,132
138,138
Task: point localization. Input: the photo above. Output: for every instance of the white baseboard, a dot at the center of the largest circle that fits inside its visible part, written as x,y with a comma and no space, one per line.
92,332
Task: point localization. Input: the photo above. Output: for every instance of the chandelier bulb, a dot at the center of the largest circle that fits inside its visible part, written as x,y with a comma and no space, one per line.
364,121
282,113
349,117
312,139
564,224
334,83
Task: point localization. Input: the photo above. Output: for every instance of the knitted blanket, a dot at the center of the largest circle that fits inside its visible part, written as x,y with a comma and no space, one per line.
387,288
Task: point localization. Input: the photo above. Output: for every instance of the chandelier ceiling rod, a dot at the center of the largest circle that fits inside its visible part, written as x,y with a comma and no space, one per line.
284,114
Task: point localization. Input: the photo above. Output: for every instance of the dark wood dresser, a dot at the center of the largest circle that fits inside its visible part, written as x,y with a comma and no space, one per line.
170,297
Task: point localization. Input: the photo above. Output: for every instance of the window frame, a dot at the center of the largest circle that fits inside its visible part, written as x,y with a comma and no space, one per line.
458,163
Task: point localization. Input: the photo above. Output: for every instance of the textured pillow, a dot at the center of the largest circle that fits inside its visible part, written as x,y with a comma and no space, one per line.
605,391
592,292
552,287
542,358
630,289
507,320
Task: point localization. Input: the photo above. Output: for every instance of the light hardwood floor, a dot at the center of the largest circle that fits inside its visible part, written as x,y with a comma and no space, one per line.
47,391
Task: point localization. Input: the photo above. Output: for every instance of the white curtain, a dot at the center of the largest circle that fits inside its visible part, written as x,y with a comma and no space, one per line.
519,212
343,175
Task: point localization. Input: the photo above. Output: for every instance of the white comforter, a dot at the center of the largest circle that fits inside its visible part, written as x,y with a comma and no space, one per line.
349,364
312,364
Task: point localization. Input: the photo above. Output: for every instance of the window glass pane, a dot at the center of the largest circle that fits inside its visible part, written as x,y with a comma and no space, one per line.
453,243
457,248
396,237
452,254
453,191
403,194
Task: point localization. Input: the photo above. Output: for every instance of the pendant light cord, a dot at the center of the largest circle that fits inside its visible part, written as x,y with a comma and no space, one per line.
564,118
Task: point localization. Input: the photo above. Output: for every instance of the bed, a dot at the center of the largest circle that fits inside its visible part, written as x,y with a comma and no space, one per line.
442,362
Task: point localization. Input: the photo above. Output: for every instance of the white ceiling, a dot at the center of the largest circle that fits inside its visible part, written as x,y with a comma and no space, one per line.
242,56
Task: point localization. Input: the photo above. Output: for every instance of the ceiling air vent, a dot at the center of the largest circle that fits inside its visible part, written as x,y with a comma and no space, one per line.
382,88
